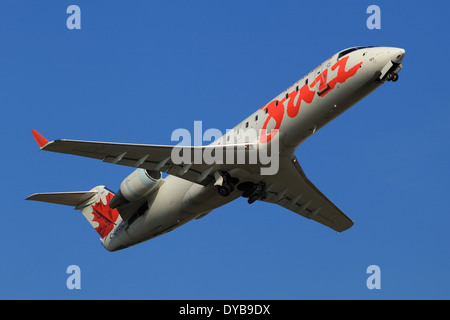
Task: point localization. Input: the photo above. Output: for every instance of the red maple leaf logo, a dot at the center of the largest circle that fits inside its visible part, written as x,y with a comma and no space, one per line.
105,216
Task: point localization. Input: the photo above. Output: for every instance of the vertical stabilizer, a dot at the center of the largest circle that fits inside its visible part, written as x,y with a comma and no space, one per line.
98,212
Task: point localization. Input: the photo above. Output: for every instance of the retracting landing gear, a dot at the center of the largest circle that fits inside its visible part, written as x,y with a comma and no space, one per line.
389,72
253,191
225,183
391,76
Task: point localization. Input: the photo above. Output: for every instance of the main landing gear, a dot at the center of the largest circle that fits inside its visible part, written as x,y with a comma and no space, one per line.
225,183
253,191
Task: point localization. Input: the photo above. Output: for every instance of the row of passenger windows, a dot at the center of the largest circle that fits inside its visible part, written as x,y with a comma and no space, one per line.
341,54
267,110
287,96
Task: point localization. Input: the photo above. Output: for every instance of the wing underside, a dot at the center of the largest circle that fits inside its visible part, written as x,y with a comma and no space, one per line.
191,167
289,187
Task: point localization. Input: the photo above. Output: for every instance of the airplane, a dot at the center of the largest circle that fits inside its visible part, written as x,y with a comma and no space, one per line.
148,205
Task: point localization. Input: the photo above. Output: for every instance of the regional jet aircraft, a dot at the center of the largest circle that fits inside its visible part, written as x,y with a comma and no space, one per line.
200,179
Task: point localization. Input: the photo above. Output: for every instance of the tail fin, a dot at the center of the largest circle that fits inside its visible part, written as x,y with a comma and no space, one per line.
94,205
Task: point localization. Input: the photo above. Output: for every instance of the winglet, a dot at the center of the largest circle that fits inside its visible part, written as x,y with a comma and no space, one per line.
41,141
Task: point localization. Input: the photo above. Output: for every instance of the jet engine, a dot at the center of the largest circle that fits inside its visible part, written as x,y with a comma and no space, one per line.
138,185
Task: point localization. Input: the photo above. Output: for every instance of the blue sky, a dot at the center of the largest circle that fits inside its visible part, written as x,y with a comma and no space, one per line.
138,70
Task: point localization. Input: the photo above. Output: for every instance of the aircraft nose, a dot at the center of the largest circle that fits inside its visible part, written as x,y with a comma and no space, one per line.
396,54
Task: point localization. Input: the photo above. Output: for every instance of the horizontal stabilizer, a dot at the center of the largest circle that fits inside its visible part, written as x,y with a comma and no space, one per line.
67,198
93,204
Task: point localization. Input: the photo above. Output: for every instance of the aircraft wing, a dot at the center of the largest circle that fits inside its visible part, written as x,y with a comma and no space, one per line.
291,189
151,157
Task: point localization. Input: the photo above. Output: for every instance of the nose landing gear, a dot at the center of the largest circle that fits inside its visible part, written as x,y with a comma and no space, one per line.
391,76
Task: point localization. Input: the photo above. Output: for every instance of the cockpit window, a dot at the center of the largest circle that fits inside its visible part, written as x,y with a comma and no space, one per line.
347,51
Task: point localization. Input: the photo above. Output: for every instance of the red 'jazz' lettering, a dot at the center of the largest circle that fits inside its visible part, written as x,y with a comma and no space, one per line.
305,94
275,110
322,80
342,75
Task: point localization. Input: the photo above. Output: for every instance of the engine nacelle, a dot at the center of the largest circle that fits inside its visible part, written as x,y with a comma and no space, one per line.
138,185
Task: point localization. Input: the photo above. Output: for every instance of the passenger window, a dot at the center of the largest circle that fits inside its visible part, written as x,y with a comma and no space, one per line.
246,125
256,118
267,110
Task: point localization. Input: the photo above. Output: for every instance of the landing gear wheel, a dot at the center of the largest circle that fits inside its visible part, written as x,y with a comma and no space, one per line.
253,199
395,77
389,76
253,191
225,190
228,184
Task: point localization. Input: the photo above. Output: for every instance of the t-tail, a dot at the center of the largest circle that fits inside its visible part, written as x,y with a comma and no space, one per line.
94,205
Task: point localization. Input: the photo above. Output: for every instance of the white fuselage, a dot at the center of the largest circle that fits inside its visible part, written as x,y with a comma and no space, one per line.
297,112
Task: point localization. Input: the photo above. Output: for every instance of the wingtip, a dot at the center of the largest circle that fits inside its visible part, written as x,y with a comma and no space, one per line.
41,141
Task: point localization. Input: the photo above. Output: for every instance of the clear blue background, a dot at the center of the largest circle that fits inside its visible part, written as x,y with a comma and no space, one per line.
137,70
